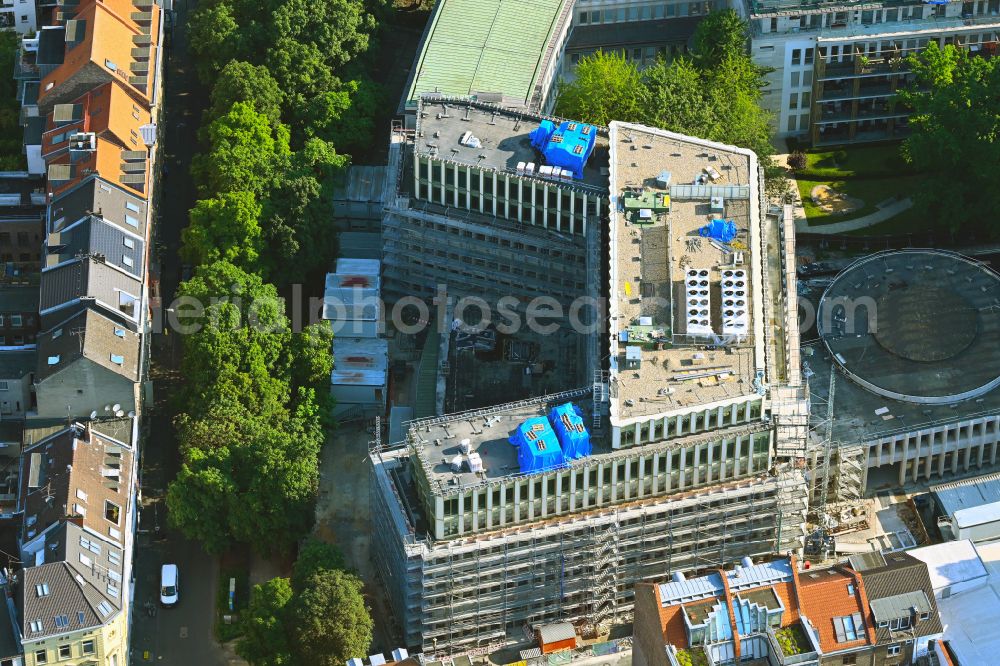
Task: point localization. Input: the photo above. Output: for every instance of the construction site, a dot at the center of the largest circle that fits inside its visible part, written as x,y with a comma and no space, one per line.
488,519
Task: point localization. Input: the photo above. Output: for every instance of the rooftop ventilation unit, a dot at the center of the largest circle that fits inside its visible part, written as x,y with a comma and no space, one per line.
735,304
697,303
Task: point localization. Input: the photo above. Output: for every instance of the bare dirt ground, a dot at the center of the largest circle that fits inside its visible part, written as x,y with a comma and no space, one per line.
830,200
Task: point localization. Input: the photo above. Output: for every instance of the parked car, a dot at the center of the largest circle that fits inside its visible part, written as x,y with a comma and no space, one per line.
819,268
169,585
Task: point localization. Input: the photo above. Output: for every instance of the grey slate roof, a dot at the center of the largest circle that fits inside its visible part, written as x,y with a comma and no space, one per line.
900,605
91,279
94,236
16,364
899,575
76,569
91,335
99,197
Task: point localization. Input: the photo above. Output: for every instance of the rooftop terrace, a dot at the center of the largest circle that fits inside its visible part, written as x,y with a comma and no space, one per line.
503,138
438,440
686,310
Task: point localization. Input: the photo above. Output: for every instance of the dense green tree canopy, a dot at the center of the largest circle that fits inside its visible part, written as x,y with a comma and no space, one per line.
265,639
240,81
330,622
314,556
224,229
245,152
955,139
720,35
713,94
606,87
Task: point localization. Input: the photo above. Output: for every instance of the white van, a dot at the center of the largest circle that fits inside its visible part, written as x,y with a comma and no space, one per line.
169,585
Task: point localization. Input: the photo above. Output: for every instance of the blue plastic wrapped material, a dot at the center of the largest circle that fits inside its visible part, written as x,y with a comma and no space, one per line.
568,146
720,230
538,446
567,422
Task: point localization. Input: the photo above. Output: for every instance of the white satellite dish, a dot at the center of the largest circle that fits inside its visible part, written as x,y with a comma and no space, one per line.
107,408
117,408
119,413
93,414
131,415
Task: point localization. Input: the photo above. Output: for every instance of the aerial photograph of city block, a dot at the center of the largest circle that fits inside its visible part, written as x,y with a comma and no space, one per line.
499,332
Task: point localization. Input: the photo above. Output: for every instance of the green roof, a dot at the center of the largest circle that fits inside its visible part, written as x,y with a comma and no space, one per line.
485,46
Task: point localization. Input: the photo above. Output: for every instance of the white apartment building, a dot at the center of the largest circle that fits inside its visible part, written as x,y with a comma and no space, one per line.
837,65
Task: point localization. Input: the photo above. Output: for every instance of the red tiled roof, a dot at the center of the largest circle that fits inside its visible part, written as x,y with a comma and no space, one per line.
826,594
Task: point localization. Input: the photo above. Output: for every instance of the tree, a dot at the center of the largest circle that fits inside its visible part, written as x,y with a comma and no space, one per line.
340,27
240,81
196,498
215,38
330,621
720,35
312,356
353,128
245,152
606,87
265,637
797,161
954,136
675,99
314,556
300,236
224,229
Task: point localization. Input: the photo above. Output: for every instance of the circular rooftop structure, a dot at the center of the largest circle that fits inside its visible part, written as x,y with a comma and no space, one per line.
921,326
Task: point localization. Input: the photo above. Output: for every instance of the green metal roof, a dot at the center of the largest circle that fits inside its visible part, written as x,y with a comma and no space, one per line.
485,46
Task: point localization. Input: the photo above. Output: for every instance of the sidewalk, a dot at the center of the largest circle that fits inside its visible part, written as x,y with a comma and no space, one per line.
885,212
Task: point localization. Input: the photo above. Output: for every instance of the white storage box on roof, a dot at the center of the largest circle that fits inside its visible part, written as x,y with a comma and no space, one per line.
351,298
360,371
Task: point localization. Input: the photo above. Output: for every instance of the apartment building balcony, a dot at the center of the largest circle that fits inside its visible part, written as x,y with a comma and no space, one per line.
853,132
859,67
846,92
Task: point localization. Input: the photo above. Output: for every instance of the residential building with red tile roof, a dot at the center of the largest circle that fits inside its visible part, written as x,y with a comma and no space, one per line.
833,601
98,134
781,614
106,40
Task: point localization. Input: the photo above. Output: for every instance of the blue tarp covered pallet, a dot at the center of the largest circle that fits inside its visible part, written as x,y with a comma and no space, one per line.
567,421
567,146
538,446
720,230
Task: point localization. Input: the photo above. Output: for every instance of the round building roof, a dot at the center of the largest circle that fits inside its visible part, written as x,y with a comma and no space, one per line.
916,325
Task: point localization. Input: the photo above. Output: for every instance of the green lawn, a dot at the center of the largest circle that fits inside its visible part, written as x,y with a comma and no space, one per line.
871,192
876,161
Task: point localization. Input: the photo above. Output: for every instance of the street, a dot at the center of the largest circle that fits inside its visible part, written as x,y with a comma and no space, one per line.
183,634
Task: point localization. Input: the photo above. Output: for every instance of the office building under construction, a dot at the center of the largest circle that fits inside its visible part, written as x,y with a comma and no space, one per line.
684,453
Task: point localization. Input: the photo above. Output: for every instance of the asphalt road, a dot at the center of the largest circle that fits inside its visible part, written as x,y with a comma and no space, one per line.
181,635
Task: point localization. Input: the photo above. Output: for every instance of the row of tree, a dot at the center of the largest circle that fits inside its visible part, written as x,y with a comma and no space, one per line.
317,616
257,408
713,92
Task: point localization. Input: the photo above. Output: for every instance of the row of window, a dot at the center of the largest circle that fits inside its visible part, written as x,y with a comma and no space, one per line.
23,238
16,320
502,241
651,11
692,422
66,652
